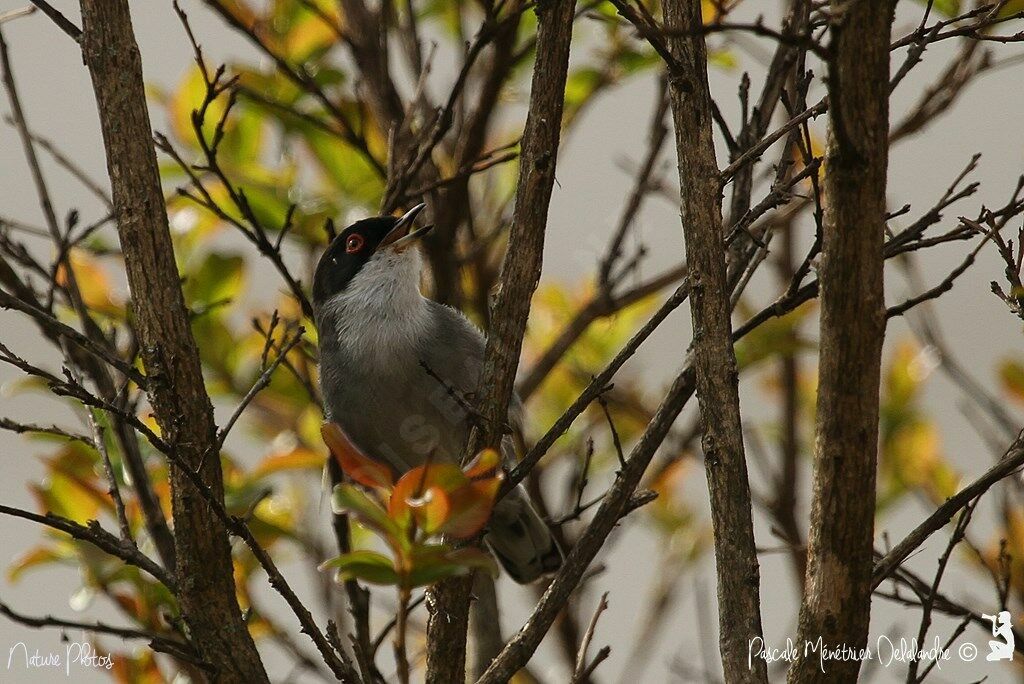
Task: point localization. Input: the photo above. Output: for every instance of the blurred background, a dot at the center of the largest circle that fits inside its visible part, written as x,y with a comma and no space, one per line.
660,559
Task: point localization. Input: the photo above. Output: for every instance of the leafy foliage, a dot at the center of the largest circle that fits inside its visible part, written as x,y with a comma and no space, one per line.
412,514
283,149
910,457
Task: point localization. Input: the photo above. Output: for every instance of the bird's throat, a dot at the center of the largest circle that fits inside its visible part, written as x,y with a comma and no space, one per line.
381,317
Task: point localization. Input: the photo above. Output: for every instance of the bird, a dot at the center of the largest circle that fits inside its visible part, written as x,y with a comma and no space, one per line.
389,360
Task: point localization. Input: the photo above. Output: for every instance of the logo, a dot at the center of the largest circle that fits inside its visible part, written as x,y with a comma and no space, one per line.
889,651
76,653
1002,628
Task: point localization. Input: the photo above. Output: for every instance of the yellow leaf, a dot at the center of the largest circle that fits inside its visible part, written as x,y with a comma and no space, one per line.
709,11
309,35
295,459
92,281
34,557
913,458
1011,376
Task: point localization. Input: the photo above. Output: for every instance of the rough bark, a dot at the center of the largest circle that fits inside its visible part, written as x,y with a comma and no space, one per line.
521,268
446,629
176,389
837,602
714,358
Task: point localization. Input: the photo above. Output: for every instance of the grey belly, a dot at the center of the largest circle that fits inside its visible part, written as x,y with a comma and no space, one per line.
398,420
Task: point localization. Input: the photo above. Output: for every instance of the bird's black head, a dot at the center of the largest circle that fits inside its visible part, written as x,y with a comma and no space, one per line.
357,244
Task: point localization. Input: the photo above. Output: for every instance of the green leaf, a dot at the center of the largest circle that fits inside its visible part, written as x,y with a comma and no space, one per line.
345,170
243,137
349,499
947,8
723,59
434,562
774,337
219,277
580,86
367,566
1011,7
633,61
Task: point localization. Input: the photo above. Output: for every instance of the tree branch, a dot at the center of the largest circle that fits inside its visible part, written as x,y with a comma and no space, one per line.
155,522
713,356
101,539
177,392
446,628
1011,461
157,642
837,602
62,22
9,301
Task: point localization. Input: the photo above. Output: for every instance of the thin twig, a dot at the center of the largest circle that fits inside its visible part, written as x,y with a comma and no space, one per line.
69,165
596,386
260,384
943,287
11,15
9,301
93,533
21,428
113,488
582,671
157,641
611,427
62,22
1010,463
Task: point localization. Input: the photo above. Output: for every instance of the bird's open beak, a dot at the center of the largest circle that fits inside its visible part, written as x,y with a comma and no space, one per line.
402,236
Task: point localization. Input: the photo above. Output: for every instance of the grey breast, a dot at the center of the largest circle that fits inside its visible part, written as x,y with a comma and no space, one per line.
399,413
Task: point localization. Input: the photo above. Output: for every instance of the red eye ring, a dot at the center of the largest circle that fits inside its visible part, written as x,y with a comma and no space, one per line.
354,243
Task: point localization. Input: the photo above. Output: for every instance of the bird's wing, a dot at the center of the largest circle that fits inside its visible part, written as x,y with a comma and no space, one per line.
455,352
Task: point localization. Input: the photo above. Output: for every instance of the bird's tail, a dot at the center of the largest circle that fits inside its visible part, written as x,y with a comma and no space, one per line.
521,540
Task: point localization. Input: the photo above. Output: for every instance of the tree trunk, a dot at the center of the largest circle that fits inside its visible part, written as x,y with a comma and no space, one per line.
520,272
837,602
177,392
714,359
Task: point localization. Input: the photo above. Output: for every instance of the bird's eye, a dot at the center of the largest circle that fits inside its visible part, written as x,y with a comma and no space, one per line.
354,243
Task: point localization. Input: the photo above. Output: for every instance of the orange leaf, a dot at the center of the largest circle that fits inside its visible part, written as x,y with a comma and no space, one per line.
353,461
93,282
484,464
294,459
471,507
423,492
445,499
430,509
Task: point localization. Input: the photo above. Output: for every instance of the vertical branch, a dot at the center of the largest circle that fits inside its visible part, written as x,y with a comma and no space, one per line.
779,72
358,597
367,36
521,268
783,504
401,656
837,600
714,359
446,629
176,389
